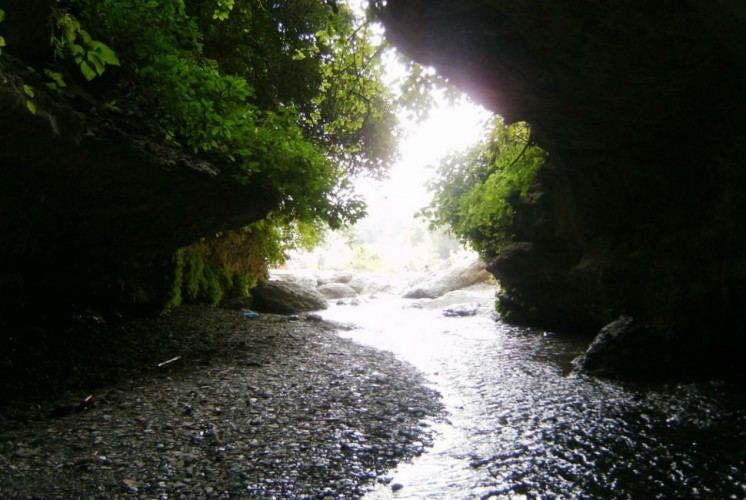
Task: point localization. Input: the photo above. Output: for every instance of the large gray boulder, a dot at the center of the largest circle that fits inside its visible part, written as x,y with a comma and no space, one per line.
369,284
456,277
337,291
303,279
286,297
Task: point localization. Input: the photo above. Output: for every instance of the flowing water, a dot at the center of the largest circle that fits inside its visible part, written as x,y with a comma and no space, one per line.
520,426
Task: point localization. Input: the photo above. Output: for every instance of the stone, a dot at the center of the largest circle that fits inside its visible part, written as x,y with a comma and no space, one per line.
285,297
460,312
301,278
456,277
337,291
359,284
626,349
237,303
338,277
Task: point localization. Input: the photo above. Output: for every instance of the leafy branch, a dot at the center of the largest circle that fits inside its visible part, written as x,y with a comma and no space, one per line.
91,56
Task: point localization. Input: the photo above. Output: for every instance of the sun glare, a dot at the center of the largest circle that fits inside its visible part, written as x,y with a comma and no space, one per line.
391,238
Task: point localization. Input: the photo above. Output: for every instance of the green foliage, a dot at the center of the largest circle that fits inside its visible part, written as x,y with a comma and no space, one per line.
69,39
56,80
286,92
476,190
223,9
2,39
230,264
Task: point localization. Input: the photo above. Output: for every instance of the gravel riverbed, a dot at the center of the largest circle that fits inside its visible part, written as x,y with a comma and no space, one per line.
271,407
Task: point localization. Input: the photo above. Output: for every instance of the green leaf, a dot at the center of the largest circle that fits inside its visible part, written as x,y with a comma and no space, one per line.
76,50
28,90
2,15
106,55
95,61
31,106
57,78
2,41
86,37
88,72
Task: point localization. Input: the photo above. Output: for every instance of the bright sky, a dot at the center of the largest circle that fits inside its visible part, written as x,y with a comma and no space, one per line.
450,127
393,202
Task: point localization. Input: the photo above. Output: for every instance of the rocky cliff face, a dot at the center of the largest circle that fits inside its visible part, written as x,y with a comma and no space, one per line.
88,198
640,105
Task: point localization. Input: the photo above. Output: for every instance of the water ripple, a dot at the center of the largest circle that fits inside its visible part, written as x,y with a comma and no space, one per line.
520,427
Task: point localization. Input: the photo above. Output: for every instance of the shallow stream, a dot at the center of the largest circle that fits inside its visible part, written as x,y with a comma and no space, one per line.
519,425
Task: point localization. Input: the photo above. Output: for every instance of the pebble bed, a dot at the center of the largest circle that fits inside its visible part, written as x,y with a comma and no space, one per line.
271,407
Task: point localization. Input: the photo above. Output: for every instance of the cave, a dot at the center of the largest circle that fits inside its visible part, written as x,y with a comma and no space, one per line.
640,209
128,370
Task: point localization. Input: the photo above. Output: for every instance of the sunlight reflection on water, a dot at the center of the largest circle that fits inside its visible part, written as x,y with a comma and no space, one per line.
519,426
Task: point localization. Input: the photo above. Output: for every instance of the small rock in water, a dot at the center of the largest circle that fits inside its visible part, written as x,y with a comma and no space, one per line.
396,486
460,312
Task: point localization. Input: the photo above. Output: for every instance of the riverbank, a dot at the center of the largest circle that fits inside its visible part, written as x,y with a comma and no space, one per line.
271,406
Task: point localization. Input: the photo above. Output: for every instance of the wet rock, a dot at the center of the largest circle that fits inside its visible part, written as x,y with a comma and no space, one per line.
458,276
296,410
337,277
627,349
460,312
370,284
337,291
301,278
359,284
286,297
237,303
131,485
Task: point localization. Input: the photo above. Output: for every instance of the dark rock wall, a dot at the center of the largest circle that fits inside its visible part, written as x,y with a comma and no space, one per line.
641,107
88,199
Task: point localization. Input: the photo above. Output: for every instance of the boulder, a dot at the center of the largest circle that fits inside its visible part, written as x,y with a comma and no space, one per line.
358,284
337,291
481,295
300,278
626,349
461,311
457,277
337,277
286,297
369,284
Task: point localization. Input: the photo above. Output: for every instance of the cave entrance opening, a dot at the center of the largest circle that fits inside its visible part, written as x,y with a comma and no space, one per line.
393,240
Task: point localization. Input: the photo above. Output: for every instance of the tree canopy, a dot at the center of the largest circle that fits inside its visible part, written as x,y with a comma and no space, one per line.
285,94
286,91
